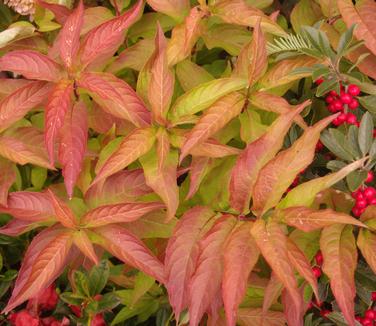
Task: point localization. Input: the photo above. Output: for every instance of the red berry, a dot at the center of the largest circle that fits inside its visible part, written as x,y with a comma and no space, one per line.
333,93
370,177
319,146
374,133
361,203
329,99
353,90
353,104
370,313
373,296
331,108
338,105
319,258
345,98
357,194
336,122
351,118
369,192
342,117
372,201
366,322
316,271
325,312
356,211
319,81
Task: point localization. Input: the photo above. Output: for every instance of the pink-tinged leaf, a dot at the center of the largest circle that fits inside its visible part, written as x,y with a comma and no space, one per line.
363,14
32,65
103,41
367,245
160,175
338,247
182,252
184,37
124,186
240,257
25,145
213,120
302,265
174,8
163,147
214,149
82,242
206,281
240,13
116,97
162,80
69,38
73,141
272,242
198,170
294,314
118,213
272,292
255,156
29,206
131,250
44,261
60,12
273,103
136,144
62,211
15,227
279,173
255,317
59,103
94,16
7,178
21,101
307,219
10,85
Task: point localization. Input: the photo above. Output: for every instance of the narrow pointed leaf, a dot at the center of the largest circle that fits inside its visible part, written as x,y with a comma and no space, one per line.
73,142
59,103
125,246
136,144
255,316
7,178
272,292
15,228
32,65
367,245
213,120
174,8
82,242
277,175
60,12
44,260
240,257
294,314
206,281
338,247
182,252
162,80
307,219
255,156
198,170
116,97
62,211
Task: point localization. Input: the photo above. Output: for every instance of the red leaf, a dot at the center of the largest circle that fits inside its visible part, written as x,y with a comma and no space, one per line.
255,317
116,97
73,144
162,80
272,243
44,261
29,206
21,101
255,156
206,281
58,105
198,170
15,227
124,186
240,256
131,250
60,12
182,252
118,213
82,242
338,247
7,178
272,292
32,65
102,42
367,246
294,314
62,212
69,38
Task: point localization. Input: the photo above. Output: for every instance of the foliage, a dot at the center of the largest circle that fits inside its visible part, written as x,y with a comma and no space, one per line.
188,162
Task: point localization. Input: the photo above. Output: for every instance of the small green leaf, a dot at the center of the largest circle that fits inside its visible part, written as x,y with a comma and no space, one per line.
108,302
98,277
330,140
82,284
345,41
142,284
71,298
355,179
368,102
326,86
365,138
38,177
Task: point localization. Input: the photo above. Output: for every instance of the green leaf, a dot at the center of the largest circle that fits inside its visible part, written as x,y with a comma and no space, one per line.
368,102
142,284
365,138
352,141
325,87
71,298
345,41
38,177
98,277
15,32
108,302
333,140
82,284
355,179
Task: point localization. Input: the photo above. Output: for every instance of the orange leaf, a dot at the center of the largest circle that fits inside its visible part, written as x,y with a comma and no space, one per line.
367,245
82,242
255,317
7,178
62,212
174,8
338,247
259,61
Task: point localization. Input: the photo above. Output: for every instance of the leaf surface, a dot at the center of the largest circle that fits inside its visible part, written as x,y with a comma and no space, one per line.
255,316
62,211
367,245
7,178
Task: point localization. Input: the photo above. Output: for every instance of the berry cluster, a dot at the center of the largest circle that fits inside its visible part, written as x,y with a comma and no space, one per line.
369,318
319,259
364,197
343,102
